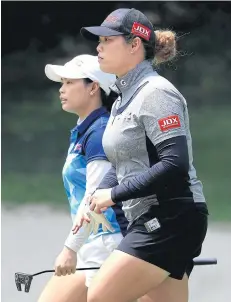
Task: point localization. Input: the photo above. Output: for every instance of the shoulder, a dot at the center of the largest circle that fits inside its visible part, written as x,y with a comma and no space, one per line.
159,97
96,130
157,83
101,122
159,90
98,126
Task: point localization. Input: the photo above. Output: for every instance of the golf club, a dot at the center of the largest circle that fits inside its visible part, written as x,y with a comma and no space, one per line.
26,279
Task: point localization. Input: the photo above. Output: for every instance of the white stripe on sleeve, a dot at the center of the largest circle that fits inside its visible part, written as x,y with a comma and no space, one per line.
96,170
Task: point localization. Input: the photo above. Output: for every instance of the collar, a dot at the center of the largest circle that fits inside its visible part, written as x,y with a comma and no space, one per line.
134,76
89,120
115,89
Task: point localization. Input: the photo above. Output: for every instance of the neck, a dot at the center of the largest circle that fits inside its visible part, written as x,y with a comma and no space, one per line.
84,112
129,67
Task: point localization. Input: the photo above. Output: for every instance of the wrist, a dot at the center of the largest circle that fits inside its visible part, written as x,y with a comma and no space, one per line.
68,249
113,195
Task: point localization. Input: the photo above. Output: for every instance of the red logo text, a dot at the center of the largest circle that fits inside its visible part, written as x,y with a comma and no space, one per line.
141,31
169,122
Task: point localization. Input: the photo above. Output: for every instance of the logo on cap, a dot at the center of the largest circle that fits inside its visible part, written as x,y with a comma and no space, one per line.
141,31
111,19
79,63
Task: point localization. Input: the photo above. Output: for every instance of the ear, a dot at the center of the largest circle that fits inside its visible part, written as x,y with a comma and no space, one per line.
136,43
94,88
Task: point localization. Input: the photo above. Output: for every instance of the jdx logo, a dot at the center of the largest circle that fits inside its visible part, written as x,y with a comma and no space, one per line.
169,122
141,30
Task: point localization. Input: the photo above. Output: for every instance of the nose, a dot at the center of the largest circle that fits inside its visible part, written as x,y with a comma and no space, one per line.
61,90
99,47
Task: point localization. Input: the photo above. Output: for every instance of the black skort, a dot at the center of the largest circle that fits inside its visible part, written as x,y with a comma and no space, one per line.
169,235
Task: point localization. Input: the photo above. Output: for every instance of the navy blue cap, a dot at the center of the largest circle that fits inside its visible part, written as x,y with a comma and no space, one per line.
122,21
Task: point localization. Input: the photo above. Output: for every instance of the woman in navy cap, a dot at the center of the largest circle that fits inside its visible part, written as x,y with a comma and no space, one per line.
151,156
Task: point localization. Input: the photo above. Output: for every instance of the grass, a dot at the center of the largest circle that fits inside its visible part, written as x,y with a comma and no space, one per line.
211,145
19,188
210,129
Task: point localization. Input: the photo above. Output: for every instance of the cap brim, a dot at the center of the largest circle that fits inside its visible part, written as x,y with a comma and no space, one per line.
57,72
92,33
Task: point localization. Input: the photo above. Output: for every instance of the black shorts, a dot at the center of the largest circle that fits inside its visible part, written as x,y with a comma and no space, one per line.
169,235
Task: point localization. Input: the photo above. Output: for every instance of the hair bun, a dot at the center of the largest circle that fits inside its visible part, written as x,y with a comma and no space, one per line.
165,49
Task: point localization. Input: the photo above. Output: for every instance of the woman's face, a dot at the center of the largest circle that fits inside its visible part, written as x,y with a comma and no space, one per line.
74,95
113,54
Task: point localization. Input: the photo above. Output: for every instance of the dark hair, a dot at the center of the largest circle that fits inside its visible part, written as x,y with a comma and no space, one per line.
107,100
165,46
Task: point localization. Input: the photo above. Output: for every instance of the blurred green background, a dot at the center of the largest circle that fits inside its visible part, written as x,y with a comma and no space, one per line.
35,132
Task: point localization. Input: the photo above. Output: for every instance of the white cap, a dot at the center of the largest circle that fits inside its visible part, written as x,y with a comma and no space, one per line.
82,66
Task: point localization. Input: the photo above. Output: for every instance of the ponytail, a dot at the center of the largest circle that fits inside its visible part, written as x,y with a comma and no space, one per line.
164,49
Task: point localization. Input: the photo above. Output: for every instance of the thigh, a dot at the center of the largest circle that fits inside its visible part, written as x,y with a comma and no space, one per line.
171,290
69,288
95,252
124,278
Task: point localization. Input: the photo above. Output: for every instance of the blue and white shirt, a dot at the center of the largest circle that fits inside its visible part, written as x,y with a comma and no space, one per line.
86,148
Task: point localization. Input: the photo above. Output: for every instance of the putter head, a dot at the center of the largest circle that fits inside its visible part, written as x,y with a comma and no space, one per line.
22,278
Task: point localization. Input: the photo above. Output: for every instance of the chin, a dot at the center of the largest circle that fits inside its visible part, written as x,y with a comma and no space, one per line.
106,68
66,108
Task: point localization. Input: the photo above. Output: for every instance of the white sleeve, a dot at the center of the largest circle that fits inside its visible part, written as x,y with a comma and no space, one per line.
76,241
96,171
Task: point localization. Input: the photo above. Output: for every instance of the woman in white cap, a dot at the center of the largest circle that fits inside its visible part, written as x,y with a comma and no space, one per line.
151,154
85,91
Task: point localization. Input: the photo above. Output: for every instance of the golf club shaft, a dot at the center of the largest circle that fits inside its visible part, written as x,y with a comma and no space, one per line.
78,269
202,261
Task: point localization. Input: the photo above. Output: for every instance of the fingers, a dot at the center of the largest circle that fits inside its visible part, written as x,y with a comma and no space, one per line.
92,205
86,218
63,271
75,229
69,271
60,271
79,223
95,207
76,226
89,198
97,210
